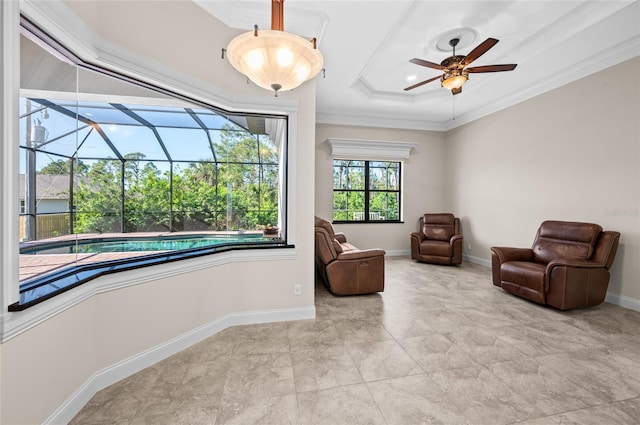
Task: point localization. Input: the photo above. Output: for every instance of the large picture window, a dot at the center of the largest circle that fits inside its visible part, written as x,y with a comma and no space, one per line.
366,191
116,174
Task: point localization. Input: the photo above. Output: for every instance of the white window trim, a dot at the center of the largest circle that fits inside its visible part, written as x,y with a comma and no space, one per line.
9,131
84,42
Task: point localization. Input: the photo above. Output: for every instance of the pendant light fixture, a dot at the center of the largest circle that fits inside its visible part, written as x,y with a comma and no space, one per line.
275,60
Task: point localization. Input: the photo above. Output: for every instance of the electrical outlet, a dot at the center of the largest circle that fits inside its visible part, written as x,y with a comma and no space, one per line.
468,246
297,289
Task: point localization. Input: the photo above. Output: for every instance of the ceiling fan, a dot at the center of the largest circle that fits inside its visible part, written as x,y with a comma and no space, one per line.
454,67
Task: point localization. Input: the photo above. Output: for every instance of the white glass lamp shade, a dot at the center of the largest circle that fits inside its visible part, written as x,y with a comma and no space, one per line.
455,80
274,60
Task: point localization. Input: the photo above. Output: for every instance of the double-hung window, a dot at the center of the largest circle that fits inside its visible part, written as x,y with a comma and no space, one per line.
366,191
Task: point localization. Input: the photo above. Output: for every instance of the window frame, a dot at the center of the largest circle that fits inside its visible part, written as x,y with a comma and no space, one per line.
181,90
368,191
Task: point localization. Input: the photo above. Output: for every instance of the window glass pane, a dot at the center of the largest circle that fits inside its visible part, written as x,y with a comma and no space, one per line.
146,197
197,197
98,198
67,145
129,139
268,209
340,205
214,121
243,184
41,123
186,144
52,189
95,146
384,206
348,175
166,117
355,205
104,113
236,146
383,176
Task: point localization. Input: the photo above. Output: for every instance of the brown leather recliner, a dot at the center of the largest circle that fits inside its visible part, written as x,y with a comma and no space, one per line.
345,269
438,240
567,267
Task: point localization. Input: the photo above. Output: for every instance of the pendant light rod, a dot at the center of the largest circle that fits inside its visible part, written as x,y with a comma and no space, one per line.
277,15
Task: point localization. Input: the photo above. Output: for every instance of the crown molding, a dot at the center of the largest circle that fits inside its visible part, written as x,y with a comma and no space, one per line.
370,149
380,121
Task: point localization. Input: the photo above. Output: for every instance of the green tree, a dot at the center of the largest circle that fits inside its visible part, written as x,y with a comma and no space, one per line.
98,199
63,167
239,192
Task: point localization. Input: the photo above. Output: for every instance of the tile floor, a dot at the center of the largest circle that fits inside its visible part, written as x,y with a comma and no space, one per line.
441,345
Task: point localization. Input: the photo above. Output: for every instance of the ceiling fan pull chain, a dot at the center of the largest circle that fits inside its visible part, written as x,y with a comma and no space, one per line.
454,108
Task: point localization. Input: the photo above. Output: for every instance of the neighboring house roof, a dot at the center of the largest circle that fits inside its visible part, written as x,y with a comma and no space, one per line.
50,186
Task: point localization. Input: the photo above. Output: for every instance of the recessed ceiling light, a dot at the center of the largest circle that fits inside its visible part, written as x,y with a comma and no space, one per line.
411,77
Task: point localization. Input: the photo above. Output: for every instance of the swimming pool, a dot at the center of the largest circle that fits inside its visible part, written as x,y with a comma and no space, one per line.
139,244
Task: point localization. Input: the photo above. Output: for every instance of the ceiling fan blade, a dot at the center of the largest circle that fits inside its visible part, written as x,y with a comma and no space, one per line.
456,91
479,51
422,83
492,68
428,64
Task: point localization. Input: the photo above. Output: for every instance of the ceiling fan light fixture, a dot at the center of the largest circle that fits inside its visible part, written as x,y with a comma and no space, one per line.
275,58
453,81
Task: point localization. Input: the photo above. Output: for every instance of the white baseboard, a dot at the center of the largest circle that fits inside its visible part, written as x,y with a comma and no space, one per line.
622,301
398,252
127,367
476,260
611,298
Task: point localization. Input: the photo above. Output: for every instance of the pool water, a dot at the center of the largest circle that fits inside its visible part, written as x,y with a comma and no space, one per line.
91,246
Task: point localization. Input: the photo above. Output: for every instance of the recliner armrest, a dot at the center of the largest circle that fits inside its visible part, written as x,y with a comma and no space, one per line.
419,236
340,237
571,266
360,254
582,264
455,238
512,254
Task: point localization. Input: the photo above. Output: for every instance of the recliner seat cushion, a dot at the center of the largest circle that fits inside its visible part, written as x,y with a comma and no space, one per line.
437,248
524,273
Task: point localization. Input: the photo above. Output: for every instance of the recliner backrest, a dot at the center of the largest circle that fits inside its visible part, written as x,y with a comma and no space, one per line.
565,240
606,248
326,225
325,249
439,227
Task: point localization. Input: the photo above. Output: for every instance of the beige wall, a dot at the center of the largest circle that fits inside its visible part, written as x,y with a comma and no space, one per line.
423,183
42,367
570,154
45,365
